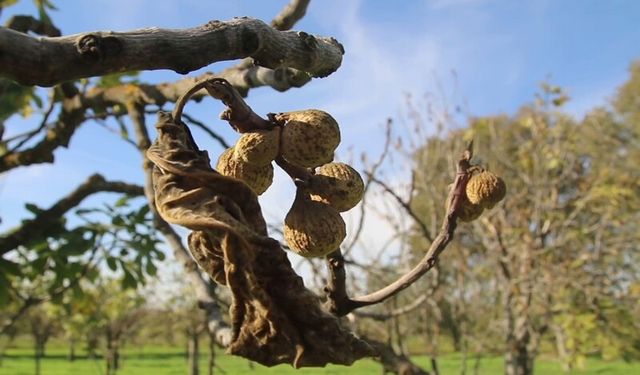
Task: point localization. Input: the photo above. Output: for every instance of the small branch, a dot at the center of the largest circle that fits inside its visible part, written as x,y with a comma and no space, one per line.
24,24
45,221
295,172
342,305
372,171
238,113
29,135
404,204
183,51
292,13
338,301
69,119
396,312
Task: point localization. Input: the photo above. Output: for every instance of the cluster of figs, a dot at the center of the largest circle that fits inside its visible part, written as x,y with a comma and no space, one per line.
306,141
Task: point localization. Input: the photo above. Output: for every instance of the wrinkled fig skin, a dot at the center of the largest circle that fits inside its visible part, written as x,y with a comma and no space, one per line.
311,228
309,137
275,318
486,189
183,178
259,147
338,185
258,177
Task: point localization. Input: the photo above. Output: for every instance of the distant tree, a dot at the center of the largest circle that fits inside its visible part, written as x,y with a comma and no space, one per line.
559,252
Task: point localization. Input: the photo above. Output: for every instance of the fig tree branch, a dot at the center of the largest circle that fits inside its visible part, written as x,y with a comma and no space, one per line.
340,304
290,14
44,222
47,61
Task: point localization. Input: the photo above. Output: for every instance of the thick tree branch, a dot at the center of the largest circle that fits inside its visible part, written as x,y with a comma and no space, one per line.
69,119
45,221
100,53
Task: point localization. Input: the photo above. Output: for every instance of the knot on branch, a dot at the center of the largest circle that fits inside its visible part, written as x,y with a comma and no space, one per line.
308,41
95,47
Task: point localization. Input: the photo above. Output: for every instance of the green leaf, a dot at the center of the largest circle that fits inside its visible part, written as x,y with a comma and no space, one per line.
117,221
151,269
111,263
140,215
9,267
117,79
42,6
7,3
4,291
122,202
33,208
128,281
160,255
15,98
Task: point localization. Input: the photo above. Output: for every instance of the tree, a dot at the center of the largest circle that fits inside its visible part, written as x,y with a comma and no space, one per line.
555,255
279,59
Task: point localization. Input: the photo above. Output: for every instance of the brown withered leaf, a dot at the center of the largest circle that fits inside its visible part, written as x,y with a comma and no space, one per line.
275,318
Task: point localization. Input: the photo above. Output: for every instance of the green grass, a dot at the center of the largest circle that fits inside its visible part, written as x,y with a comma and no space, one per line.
170,361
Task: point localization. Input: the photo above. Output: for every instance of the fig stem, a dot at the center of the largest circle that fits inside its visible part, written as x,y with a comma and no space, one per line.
303,175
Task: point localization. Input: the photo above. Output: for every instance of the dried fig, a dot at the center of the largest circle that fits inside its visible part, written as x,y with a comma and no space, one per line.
309,137
258,147
257,177
312,228
338,185
486,189
469,211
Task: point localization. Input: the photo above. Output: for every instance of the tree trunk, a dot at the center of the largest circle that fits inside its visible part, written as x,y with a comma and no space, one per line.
395,363
561,347
113,353
37,357
212,353
194,353
72,350
518,359
92,344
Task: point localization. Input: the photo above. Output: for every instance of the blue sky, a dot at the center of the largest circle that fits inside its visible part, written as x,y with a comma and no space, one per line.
499,50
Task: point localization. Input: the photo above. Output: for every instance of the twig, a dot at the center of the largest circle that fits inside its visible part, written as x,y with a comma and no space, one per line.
404,204
290,14
340,304
396,312
372,171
